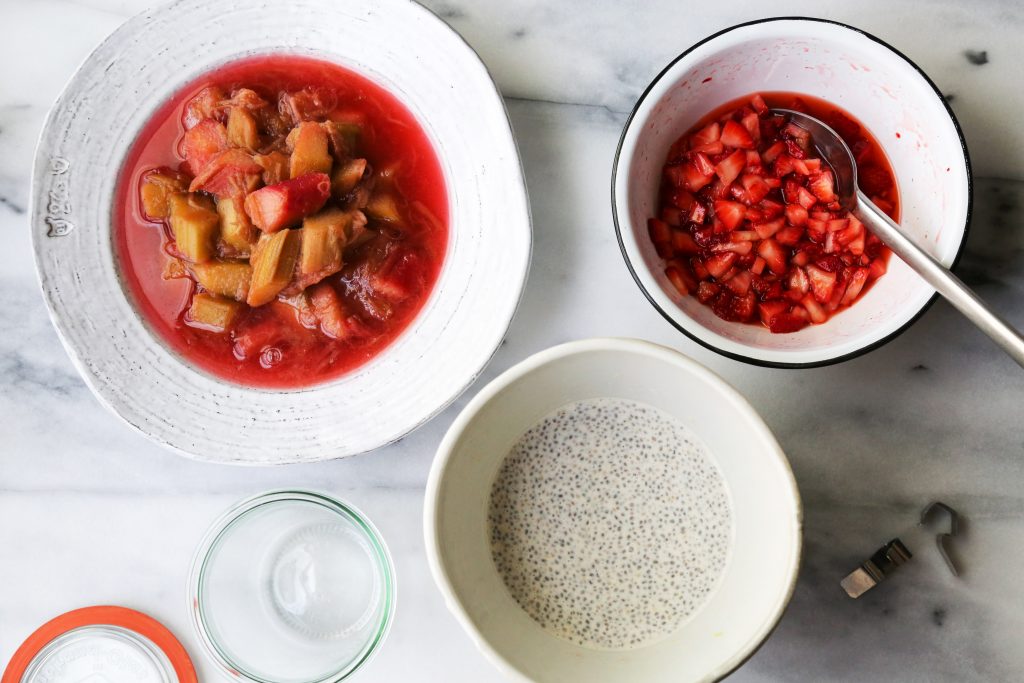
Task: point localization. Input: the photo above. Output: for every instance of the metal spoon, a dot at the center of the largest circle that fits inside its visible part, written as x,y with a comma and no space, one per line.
838,156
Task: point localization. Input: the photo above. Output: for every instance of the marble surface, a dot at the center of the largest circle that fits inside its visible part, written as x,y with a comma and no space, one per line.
91,512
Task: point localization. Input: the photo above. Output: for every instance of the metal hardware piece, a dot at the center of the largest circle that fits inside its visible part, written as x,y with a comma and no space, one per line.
876,568
942,540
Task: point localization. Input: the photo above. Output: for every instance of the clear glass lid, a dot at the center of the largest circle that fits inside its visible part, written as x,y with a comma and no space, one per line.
292,587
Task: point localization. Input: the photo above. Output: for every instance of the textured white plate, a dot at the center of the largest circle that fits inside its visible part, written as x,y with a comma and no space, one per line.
87,135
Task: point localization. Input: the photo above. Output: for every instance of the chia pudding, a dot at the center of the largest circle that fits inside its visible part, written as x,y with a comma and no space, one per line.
609,523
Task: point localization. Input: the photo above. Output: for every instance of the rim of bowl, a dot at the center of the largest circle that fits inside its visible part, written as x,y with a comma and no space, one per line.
546,357
222,525
751,359
96,386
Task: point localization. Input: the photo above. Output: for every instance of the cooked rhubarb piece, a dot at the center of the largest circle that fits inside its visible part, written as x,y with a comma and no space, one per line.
231,173
157,187
242,129
205,105
384,207
346,176
203,142
211,312
343,138
308,144
226,278
749,222
330,312
308,104
194,222
284,204
236,230
275,166
324,238
273,262
246,98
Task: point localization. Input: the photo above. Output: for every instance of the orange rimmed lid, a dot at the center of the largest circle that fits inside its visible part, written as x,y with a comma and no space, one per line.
102,643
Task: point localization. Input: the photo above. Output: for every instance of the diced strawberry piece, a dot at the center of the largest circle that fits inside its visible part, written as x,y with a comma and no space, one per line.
672,215
743,306
707,134
877,268
800,258
739,283
822,283
202,142
796,214
706,291
754,164
752,124
766,287
789,235
858,278
729,168
739,194
783,323
664,250
757,102
757,189
698,269
794,150
718,264
678,280
741,248
682,200
773,151
769,309
712,148
736,136
786,164
718,190
730,213
743,236
832,264
822,186
798,281
814,309
769,228
683,243
693,178
274,207
773,254
836,224
675,175
812,164
856,245
805,198
659,230
699,213
703,164
759,265
771,208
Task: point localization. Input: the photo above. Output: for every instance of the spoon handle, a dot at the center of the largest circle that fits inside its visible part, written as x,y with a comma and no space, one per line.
939,277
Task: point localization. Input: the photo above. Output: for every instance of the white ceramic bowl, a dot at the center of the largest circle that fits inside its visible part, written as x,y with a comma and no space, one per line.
399,45
882,88
762,568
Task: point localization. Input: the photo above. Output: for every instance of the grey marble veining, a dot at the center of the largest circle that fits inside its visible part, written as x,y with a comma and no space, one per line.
90,512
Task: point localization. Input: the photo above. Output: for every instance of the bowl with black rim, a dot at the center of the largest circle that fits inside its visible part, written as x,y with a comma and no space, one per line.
853,70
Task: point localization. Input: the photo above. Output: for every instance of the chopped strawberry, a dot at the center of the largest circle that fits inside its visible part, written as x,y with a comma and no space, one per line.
796,214
736,136
858,278
718,264
743,306
752,124
771,208
693,178
805,198
715,147
822,283
706,291
789,235
768,228
683,243
772,153
774,255
757,102
682,200
784,323
877,268
757,189
742,248
814,309
729,168
739,283
703,164
698,213
798,281
680,281
822,186
658,230
730,213
759,266
707,134
672,215
274,207
769,309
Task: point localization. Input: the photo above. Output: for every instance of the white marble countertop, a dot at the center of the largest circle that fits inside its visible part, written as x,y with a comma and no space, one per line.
92,513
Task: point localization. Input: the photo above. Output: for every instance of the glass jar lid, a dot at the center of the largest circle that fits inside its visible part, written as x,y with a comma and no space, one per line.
104,644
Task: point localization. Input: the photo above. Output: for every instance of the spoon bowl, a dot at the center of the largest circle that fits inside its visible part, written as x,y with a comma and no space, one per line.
837,155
